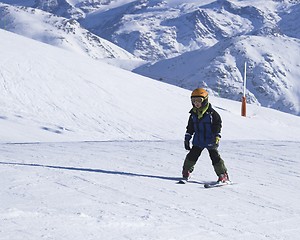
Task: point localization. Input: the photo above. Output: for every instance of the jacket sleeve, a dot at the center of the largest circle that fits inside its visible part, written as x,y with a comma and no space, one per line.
190,126
216,123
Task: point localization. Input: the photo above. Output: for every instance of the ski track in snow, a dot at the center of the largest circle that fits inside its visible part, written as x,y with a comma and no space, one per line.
128,190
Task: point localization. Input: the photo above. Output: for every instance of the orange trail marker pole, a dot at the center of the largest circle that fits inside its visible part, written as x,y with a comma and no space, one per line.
243,112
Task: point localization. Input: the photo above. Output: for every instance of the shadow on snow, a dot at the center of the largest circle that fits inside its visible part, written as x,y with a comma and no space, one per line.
93,170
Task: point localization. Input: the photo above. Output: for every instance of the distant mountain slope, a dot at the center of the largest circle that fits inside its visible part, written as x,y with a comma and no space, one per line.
154,30
287,24
58,31
220,36
273,71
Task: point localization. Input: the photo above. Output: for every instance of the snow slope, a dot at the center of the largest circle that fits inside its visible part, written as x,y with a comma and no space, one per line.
88,100
72,96
90,151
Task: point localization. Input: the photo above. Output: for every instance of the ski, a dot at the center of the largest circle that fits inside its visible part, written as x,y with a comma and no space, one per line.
212,184
182,181
217,184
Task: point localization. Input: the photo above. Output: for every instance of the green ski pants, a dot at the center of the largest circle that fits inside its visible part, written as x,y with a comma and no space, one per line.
194,154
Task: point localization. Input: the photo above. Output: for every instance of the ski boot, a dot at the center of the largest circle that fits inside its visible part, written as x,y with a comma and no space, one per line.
223,178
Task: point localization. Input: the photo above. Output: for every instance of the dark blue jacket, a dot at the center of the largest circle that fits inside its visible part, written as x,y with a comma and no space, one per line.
204,129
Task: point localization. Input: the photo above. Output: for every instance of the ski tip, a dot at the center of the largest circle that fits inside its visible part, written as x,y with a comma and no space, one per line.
217,184
208,185
182,181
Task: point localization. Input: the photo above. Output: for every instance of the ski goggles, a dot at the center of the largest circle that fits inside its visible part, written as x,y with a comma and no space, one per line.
197,99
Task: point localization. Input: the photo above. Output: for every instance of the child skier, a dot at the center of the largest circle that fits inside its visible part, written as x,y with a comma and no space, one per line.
205,124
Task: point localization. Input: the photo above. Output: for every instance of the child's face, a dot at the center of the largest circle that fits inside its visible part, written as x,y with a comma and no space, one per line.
197,102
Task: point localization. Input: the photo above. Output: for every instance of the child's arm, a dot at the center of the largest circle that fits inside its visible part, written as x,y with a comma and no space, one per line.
189,133
190,126
216,123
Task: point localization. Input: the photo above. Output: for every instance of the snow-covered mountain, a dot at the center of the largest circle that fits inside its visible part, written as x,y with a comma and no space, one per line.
58,31
196,43
273,71
218,37
90,151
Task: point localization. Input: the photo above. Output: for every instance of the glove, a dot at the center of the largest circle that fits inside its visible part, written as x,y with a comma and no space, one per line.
218,138
187,139
215,143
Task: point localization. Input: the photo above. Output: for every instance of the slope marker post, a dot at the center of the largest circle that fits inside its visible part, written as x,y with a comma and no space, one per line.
243,112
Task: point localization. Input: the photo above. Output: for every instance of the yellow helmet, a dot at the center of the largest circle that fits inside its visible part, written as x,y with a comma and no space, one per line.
200,92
